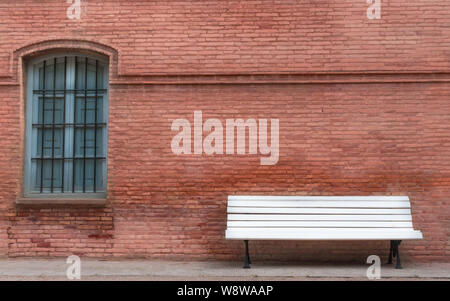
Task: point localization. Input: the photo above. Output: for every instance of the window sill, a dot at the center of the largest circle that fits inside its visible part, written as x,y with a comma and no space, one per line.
94,202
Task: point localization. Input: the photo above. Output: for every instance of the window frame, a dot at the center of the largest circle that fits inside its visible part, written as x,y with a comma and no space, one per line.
27,176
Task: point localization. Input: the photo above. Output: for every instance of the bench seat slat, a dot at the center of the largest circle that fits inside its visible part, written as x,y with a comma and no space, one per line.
318,224
320,204
322,234
319,217
395,211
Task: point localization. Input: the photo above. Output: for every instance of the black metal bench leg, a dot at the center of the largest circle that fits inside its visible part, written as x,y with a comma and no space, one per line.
398,264
247,256
391,250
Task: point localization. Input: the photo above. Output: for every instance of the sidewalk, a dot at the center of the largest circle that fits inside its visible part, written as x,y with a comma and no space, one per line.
92,269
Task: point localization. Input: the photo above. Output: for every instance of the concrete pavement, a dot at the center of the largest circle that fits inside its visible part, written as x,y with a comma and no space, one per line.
94,269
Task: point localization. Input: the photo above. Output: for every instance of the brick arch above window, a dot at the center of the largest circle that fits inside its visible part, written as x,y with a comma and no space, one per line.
43,47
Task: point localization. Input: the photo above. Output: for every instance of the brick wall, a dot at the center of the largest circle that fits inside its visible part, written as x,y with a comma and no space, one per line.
363,108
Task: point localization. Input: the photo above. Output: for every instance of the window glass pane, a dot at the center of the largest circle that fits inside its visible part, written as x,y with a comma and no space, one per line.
90,113
89,173
46,174
41,77
100,142
37,175
100,111
100,175
79,115
100,78
49,73
57,143
90,147
80,73
52,142
60,74
78,176
57,175
79,142
51,104
91,75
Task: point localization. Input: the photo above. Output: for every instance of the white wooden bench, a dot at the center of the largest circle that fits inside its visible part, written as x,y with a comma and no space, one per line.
321,218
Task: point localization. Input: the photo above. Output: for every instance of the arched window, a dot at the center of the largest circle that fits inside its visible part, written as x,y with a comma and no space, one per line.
66,125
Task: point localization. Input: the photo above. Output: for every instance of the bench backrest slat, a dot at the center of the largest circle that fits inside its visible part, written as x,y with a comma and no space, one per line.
320,204
318,210
317,224
317,198
319,217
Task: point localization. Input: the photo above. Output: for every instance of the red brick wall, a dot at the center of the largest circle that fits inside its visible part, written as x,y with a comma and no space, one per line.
383,130
9,159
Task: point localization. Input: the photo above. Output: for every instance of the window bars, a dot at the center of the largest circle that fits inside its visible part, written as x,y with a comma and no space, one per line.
69,135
